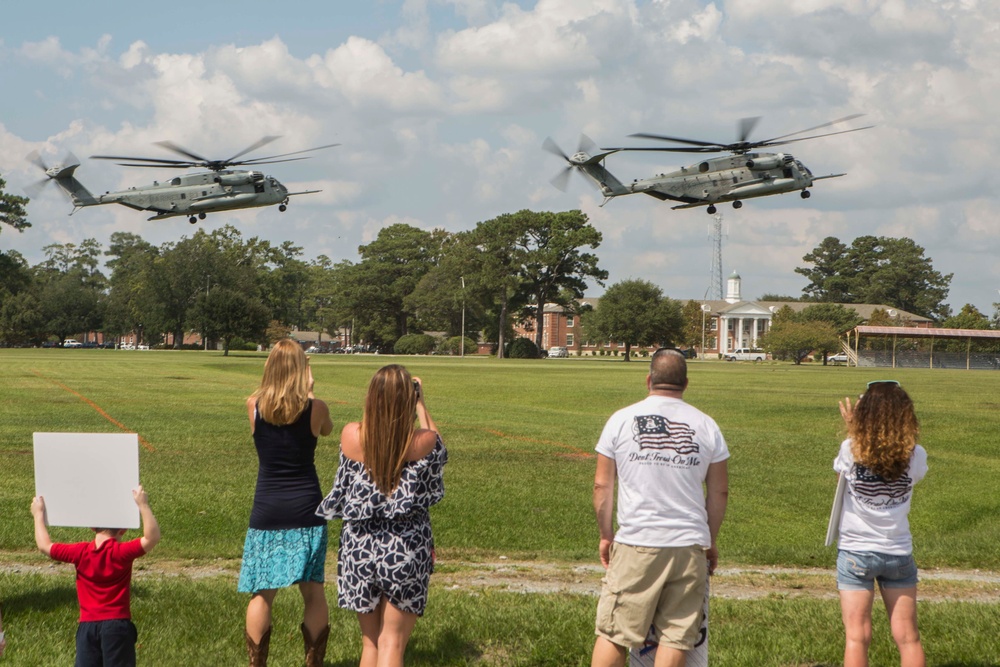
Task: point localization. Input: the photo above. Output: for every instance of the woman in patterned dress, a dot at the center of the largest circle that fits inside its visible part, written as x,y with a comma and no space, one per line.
286,542
390,474
881,462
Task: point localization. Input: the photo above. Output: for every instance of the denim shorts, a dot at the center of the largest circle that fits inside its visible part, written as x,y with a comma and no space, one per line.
859,570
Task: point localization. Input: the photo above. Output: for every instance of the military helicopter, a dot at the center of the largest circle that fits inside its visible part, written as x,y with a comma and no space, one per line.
194,195
743,175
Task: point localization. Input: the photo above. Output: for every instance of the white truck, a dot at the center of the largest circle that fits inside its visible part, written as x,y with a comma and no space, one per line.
745,354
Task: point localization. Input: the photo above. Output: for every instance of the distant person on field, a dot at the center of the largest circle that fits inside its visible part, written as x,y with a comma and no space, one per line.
106,634
390,474
882,462
286,542
669,460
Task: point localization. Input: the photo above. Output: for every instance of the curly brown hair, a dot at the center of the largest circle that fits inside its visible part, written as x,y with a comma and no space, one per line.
884,430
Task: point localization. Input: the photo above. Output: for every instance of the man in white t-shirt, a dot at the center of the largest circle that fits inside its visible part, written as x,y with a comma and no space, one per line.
669,459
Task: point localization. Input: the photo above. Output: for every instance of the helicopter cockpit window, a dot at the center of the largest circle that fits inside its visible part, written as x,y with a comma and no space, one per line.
175,181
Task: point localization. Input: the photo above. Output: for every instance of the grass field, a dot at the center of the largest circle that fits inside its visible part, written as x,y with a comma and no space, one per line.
520,436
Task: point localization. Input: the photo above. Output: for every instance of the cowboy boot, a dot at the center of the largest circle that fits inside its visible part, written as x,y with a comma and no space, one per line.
258,651
315,648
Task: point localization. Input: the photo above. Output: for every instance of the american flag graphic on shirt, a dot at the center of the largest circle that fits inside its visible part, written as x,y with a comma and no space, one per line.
869,487
658,432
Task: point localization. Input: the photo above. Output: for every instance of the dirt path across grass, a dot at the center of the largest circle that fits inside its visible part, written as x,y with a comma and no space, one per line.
734,582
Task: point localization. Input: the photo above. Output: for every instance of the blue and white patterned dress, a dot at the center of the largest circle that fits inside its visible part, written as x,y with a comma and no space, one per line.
386,545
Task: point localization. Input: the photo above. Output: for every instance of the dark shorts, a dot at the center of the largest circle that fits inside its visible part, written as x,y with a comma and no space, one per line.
106,643
859,570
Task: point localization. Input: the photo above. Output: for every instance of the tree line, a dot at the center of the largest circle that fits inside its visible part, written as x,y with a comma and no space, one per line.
228,288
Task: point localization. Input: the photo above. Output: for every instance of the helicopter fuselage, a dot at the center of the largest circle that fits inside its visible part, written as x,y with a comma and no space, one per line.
724,179
194,194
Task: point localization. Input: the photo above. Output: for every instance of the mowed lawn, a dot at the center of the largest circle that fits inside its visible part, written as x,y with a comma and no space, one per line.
520,436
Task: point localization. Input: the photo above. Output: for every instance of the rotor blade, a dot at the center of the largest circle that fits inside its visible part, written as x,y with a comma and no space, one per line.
747,125
810,129
34,158
70,159
706,149
34,189
184,165
262,142
271,157
157,160
586,145
772,142
561,180
252,163
662,137
553,148
171,146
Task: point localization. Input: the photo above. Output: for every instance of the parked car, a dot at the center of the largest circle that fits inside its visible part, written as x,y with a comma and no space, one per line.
142,346
745,354
72,342
837,359
558,352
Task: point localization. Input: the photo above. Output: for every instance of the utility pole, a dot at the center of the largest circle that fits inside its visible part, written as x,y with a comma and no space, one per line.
462,341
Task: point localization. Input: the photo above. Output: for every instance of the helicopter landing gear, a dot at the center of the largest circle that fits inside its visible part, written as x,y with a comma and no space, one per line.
201,216
805,194
711,209
192,219
737,204
282,208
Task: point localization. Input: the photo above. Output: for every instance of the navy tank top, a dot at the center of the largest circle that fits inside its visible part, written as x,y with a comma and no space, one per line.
288,490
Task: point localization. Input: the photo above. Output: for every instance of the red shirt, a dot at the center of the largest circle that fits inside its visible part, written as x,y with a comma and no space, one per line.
103,576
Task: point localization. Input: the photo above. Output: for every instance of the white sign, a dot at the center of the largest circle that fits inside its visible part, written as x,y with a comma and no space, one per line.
87,478
696,657
833,527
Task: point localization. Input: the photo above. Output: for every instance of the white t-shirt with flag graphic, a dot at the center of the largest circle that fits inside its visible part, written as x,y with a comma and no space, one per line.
662,448
876,510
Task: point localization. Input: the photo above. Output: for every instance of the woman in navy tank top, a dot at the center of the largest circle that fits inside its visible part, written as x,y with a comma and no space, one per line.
286,542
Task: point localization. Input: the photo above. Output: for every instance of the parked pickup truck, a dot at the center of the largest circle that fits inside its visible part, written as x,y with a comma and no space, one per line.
745,354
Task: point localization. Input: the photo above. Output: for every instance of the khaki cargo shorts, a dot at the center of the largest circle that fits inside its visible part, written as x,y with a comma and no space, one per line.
659,586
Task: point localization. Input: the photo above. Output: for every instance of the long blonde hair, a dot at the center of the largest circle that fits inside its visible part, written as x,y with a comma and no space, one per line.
884,430
284,390
387,425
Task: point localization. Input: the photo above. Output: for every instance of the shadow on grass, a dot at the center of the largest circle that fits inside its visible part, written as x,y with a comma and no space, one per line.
51,599
450,649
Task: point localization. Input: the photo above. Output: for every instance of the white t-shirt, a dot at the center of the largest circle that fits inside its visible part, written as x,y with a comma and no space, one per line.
876,511
662,448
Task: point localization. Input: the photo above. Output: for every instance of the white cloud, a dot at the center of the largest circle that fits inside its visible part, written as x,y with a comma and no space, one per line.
365,75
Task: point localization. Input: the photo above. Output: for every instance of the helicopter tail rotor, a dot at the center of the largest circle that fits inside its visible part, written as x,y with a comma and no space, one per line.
63,177
58,173
579,161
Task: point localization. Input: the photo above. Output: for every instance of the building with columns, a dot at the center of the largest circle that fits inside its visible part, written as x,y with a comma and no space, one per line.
730,323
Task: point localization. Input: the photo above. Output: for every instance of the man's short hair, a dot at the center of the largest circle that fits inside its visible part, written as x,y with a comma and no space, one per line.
668,369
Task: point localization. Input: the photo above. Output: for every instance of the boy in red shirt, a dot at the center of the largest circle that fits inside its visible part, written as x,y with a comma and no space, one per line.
106,634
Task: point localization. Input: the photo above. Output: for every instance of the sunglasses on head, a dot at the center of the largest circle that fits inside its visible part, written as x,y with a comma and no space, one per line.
895,382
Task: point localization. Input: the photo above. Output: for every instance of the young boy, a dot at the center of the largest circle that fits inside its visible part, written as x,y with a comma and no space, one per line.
106,634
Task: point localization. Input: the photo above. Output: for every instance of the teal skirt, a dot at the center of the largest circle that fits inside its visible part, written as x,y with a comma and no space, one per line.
279,558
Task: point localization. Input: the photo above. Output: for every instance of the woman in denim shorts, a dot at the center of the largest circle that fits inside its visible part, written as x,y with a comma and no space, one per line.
881,461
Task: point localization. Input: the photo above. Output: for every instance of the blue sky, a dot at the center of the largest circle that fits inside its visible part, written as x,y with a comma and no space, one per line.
441,107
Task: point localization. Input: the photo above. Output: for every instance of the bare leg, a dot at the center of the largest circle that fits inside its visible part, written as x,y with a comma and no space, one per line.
607,654
668,656
371,627
316,615
856,611
396,628
901,605
259,613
